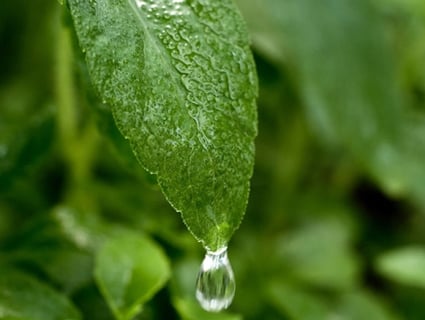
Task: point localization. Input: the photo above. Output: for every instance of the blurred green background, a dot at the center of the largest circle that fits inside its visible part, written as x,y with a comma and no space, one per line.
335,227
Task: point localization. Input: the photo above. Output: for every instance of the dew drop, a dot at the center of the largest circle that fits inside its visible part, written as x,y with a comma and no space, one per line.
215,286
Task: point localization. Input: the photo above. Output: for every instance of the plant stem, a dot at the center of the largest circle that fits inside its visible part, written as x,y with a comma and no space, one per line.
77,141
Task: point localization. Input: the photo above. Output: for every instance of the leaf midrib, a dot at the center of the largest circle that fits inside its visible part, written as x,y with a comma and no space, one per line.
160,48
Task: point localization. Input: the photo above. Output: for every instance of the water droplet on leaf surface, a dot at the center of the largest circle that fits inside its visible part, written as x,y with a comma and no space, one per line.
215,286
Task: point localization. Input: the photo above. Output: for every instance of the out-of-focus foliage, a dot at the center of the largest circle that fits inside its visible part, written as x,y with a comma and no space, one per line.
23,297
406,265
130,270
336,216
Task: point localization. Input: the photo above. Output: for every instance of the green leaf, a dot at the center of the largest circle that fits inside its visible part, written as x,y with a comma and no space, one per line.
297,303
363,305
348,78
265,28
86,230
43,248
300,304
181,80
404,265
320,254
22,297
25,128
129,270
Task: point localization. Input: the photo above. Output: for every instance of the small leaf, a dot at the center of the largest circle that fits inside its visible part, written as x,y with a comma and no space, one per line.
22,297
320,254
84,229
296,303
405,265
181,80
58,260
362,305
129,270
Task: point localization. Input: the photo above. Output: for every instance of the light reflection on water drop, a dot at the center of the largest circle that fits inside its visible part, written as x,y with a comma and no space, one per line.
215,286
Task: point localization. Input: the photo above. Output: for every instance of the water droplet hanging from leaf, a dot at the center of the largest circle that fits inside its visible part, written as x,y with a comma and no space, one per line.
215,286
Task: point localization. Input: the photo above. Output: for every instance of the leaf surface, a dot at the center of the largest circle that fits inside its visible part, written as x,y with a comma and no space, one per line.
405,265
348,76
181,80
22,297
320,254
296,303
299,304
129,270
362,304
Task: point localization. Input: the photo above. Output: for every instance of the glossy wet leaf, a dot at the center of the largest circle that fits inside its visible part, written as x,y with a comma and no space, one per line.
23,297
182,83
129,270
405,265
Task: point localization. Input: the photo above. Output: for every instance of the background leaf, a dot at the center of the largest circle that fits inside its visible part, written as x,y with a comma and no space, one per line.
320,254
129,270
296,303
23,297
361,305
300,304
344,65
181,80
405,265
